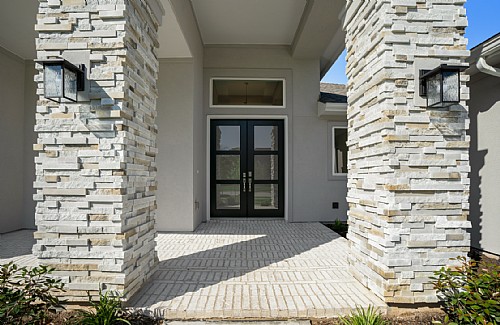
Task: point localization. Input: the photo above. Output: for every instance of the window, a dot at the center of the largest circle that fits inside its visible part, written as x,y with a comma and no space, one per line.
231,92
339,150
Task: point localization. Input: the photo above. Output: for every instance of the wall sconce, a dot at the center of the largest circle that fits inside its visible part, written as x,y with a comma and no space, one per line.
441,86
62,80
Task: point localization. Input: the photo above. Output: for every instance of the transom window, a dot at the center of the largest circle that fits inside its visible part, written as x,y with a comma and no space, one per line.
250,92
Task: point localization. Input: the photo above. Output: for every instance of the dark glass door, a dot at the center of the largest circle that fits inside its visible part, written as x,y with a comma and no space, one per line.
247,168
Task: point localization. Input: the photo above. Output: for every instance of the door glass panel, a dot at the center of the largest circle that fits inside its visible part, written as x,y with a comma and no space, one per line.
265,138
227,137
266,167
266,196
227,167
228,196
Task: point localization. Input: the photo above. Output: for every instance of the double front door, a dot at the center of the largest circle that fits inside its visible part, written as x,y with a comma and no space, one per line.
247,168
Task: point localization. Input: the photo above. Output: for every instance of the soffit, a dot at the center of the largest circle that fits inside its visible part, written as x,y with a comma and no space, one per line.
235,22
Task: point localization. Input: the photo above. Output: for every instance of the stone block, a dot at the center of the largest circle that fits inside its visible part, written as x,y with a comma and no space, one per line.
64,191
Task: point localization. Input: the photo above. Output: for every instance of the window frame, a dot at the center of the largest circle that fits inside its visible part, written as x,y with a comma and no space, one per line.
211,92
332,155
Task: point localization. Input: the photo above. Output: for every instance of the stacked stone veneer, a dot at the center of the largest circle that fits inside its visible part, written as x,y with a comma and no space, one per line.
95,169
408,184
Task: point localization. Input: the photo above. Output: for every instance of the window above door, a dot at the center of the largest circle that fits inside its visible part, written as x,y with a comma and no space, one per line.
247,92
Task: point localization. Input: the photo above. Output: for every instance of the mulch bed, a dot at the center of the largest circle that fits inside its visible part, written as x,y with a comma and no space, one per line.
136,318
407,318
414,317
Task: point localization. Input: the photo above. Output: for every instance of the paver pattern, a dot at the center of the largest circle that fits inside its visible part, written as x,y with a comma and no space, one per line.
253,269
17,247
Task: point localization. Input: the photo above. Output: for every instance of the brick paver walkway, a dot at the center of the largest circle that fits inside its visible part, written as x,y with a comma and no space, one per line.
240,269
16,246
253,269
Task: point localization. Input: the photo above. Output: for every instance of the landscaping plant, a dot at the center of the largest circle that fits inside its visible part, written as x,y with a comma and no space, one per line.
470,294
107,311
26,295
339,227
369,316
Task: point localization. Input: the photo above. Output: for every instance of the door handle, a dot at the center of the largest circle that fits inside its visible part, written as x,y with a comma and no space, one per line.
249,181
244,182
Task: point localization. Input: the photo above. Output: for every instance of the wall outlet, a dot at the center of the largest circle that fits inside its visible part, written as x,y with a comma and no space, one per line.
335,205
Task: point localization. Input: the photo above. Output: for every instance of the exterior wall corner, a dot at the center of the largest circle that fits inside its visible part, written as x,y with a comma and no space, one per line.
408,183
95,168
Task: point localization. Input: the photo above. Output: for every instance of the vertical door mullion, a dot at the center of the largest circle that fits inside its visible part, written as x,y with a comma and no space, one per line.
244,168
250,164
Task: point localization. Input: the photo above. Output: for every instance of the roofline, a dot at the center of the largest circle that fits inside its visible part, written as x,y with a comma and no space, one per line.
486,41
489,49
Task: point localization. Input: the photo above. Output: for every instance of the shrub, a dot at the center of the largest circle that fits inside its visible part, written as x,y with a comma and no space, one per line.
471,295
26,295
107,311
370,316
339,227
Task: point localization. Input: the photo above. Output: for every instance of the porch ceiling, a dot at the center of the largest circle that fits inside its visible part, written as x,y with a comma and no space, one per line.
312,29
232,22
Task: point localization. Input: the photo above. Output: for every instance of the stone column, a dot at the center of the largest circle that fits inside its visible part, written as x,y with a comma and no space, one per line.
95,169
408,186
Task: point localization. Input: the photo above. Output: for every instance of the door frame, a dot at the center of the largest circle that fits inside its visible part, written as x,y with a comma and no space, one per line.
245,117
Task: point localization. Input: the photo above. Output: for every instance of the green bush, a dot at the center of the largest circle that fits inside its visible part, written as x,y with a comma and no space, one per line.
339,227
107,311
369,316
26,295
470,294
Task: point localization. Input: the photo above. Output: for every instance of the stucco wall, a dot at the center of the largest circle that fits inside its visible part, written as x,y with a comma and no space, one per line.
310,192
181,194
30,99
11,141
175,146
314,192
485,161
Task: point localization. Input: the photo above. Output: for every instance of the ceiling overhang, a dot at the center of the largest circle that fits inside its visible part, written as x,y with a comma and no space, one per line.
320,34
243,22
310,28
172,41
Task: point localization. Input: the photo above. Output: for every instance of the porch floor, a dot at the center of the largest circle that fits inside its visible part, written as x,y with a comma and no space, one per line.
262,269
253,269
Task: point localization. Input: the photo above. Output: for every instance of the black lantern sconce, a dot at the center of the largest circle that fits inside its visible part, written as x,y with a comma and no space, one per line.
62,80
441,86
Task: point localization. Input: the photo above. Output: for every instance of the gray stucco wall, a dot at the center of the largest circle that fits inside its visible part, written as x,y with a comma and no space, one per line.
11,141
310,191
485,162
30,99
181,194
175,147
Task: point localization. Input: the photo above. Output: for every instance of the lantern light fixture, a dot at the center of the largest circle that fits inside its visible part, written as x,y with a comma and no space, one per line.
441,85
62,80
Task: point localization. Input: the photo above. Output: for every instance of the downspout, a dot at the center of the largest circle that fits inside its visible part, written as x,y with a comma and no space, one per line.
486,68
